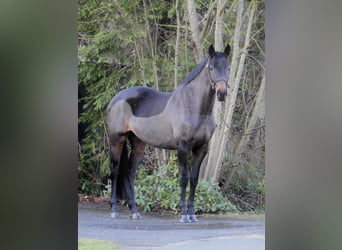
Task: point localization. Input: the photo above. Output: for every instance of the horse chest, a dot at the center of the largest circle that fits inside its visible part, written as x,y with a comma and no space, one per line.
205,130
196,129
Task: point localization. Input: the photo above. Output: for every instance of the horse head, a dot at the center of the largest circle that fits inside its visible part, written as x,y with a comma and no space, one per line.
218,71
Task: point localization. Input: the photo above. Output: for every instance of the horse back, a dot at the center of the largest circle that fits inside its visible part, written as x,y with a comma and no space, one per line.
144,101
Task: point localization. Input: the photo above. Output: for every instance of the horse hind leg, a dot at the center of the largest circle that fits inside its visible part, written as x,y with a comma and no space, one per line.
117,144
137,151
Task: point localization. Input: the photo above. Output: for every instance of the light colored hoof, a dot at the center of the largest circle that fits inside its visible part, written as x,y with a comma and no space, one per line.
185,219
193,218
114,215
135,216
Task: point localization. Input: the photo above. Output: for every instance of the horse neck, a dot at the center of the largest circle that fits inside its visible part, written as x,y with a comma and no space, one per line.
200,93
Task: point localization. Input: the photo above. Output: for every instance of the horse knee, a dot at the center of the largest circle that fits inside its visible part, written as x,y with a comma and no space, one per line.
183,177
114,169
193,181
184,181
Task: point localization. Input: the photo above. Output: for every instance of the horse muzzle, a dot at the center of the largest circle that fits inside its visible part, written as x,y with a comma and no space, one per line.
221,90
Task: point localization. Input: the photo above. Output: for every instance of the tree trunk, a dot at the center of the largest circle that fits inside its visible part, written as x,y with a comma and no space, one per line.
217,152
207,164
257,110
139,50
177,44
218,26
152,47
229,114
210,164
194,26
205,32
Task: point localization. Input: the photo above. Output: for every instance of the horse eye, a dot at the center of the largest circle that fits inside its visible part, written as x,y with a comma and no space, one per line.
211,68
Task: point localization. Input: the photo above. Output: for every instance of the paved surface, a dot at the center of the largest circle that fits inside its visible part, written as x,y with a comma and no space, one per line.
155,231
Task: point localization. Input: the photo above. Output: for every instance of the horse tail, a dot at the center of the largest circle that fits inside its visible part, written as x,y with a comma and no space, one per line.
123,189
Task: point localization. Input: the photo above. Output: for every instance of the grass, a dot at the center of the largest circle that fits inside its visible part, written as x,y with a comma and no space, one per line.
93,244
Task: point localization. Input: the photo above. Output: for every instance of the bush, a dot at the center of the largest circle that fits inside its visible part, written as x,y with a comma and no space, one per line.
161,191
247,188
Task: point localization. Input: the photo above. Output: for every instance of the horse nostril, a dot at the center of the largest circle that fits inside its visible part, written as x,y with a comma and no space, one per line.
221,95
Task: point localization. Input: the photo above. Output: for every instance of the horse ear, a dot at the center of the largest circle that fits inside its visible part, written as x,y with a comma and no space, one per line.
227,50
211,51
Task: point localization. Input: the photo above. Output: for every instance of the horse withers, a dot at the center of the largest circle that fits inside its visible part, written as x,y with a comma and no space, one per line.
181,120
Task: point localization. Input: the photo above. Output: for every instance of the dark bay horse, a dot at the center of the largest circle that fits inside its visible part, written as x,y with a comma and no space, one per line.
181,120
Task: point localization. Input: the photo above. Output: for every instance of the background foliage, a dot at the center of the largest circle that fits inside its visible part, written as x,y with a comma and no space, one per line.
127,43
160,190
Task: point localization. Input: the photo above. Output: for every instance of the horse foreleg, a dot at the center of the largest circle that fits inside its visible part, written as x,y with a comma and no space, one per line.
184,179
197,158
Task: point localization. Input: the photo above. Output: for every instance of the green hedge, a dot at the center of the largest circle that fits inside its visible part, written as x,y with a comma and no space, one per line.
161,191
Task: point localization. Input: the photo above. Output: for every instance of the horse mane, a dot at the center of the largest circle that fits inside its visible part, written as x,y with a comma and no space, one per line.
195,72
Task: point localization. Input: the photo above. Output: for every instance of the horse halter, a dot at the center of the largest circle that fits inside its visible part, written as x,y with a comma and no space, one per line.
212,82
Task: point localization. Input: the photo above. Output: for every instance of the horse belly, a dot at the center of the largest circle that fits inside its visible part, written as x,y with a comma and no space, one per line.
155,131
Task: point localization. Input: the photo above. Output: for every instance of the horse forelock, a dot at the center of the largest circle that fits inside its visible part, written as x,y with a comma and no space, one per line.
220,58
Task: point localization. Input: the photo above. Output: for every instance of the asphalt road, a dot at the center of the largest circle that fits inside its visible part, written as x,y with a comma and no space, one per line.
156,231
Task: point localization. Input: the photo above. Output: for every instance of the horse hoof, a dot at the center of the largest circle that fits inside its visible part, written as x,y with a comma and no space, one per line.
135,216
185,219
193,218
114,215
